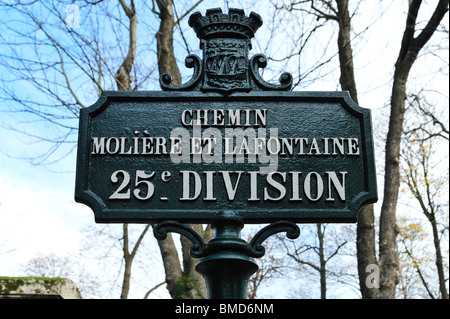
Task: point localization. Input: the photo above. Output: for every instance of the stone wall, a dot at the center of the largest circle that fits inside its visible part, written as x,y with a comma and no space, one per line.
38,288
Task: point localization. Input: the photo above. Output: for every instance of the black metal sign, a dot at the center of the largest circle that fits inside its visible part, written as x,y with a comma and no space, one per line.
225,140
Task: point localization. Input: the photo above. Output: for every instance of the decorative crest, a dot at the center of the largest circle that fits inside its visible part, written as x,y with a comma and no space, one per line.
225,40
219,25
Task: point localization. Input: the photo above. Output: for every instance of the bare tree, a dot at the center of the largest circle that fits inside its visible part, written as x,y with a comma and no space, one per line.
427,184
269,267
313,255
63,66
69,64
411,45
181,282
339,13
123,74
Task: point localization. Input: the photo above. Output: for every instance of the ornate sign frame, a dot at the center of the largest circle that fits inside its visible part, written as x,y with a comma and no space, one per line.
225,148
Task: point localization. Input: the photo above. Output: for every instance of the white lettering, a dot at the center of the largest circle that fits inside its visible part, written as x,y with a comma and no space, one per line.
209,185
319,186
116,144
295,186
353,148
184,117
225,118
340,187
186,185
275,184
98,145
253,186
231,191
339,144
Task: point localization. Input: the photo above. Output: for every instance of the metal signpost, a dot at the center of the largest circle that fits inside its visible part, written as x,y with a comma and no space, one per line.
225,148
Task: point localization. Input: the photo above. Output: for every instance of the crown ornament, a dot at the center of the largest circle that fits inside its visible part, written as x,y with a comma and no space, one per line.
216,24
225,40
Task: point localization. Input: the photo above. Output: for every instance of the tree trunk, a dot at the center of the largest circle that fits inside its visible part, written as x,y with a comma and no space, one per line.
365,231
365,250
129,257
128,262
171,263
388,231
183,283
347,78
164,41
439,261
322,270
123,78
123,81
197,287
409,51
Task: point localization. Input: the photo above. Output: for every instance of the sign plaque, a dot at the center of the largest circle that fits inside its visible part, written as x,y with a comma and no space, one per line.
225,140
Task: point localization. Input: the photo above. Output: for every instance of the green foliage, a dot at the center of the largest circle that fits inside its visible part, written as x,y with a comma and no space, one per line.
186,288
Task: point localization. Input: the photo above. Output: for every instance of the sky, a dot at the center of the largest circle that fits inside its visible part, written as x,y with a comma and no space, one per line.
38,213
37,208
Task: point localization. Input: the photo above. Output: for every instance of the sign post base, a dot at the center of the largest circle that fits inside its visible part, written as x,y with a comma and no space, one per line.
228,267
226,277
227,264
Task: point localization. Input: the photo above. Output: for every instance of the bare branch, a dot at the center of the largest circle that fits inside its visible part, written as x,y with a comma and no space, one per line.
153,289
187,12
